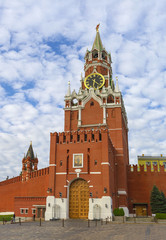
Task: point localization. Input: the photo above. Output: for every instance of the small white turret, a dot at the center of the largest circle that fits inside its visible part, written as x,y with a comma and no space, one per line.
69,90
117,85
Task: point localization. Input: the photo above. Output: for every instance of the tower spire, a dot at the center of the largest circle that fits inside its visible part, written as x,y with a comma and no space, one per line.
30,152
97,42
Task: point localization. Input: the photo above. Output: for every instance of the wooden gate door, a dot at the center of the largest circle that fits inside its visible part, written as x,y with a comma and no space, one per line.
79,199
141,210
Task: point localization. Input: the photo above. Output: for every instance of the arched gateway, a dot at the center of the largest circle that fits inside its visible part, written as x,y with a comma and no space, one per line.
79,199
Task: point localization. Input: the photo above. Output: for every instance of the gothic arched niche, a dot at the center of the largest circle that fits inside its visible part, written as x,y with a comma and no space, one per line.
110,99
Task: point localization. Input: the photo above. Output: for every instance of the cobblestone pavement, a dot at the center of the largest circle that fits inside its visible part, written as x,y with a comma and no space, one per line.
79,230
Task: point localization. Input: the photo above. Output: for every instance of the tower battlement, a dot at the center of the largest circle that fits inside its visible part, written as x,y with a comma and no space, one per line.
79,136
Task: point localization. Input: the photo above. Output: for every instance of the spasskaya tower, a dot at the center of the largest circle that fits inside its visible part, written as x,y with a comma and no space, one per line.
92,152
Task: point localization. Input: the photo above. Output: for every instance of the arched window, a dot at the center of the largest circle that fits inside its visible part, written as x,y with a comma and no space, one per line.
95,54
103,55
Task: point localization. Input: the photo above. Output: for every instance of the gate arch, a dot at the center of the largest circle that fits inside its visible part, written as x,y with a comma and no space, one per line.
79,199
96,211
56,211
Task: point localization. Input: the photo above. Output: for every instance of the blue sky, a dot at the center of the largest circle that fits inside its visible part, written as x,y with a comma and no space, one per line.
42,47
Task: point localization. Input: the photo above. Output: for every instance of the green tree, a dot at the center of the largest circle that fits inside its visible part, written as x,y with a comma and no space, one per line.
157,201
163,203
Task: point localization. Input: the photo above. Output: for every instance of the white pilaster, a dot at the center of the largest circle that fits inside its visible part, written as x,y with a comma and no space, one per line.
79,117
104,115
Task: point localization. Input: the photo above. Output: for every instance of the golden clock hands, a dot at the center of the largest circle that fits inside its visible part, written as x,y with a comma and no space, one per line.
95,81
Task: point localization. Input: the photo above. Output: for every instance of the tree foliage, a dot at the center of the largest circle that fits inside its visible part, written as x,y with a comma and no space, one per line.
157,201
118,212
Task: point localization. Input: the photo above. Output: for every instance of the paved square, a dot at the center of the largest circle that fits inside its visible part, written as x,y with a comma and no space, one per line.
79,230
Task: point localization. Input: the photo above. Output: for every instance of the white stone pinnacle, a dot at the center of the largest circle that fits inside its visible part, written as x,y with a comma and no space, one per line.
117,85
69,90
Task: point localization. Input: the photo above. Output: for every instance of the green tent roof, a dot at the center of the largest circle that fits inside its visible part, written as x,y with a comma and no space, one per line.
97,42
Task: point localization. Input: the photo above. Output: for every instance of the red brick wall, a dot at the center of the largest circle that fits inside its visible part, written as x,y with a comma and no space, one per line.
140,185
28,203
36,186
92,114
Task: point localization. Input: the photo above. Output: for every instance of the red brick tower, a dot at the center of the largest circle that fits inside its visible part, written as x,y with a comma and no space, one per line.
92,153
29,163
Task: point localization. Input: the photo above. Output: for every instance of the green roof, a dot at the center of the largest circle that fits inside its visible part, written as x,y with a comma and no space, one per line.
97,43
30,152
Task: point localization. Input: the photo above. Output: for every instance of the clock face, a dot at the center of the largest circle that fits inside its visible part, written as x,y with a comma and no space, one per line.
95,80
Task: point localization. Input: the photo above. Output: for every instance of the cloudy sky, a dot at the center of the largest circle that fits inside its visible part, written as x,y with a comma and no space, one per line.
42,47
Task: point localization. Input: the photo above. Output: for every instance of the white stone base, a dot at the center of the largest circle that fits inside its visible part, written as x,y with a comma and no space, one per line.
56,208
100,208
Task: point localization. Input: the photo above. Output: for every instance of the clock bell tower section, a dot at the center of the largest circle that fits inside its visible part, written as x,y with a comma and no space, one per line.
102,108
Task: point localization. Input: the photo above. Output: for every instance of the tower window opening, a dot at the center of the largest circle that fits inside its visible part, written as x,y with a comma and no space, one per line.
95,54
100,137
93,137
95,162
78,138
67,150
103,55
85,137
64,138
88,150
71,138
61,163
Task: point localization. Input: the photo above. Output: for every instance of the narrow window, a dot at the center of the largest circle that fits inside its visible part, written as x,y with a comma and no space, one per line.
67,165
85,137
100,137
61,163
93,137
88,164
71,138
78,138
